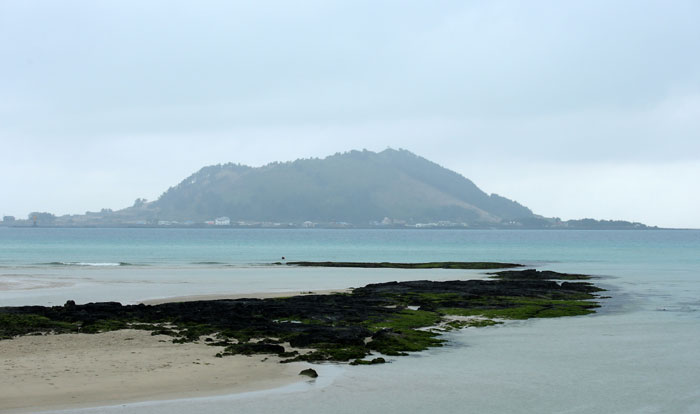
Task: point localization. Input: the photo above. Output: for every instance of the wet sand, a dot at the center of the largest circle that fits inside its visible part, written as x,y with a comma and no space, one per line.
82,370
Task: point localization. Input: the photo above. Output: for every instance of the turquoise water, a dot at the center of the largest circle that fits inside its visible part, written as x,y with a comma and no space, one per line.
41,246
639,354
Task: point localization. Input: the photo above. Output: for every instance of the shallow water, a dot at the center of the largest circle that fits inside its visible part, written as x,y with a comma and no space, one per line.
639,354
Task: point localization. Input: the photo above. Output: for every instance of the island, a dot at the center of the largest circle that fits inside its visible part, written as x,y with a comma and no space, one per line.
391,189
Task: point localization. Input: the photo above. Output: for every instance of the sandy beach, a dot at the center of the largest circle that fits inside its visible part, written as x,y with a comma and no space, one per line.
74,370
80,370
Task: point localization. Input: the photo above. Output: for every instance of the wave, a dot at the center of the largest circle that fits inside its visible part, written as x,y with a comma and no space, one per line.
99,264
209,263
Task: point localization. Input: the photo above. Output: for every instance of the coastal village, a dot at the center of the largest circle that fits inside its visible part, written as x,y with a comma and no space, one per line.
105,218
110,218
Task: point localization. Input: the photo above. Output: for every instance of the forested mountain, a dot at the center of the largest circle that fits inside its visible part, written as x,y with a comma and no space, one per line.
393,188
357,187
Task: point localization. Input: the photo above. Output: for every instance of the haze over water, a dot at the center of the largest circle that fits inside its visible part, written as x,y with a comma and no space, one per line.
638,354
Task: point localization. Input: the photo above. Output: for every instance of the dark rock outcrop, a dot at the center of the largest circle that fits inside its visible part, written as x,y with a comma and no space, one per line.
309,372
379,317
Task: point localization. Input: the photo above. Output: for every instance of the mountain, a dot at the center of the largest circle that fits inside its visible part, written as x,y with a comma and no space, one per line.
357,187
354,189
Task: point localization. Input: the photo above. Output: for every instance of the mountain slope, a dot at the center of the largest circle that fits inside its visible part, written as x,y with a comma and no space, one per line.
356,187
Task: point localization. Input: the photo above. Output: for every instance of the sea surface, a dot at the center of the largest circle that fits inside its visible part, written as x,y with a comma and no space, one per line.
639,354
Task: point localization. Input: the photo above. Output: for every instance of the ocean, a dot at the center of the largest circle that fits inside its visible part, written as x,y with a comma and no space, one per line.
639,354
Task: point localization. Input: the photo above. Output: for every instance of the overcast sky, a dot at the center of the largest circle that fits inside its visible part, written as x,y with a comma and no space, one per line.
573,108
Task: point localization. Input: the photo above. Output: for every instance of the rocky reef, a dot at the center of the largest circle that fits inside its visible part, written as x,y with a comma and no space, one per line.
385,318
426,265
538,275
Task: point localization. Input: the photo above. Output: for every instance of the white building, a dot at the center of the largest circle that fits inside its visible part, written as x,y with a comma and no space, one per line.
222,221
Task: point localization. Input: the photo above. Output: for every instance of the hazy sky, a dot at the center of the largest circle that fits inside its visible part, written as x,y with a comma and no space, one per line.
573,108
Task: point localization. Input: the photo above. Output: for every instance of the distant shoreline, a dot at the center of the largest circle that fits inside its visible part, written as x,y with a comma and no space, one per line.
344,228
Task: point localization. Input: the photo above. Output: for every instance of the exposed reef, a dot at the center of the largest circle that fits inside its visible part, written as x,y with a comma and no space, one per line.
533,274
385,318
428,265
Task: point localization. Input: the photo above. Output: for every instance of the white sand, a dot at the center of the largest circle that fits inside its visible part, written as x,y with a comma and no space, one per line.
81,370
75,370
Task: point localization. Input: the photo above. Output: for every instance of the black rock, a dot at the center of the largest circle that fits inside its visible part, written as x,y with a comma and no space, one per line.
309,372
336,326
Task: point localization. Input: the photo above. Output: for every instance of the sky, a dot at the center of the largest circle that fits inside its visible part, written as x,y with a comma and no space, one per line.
575,109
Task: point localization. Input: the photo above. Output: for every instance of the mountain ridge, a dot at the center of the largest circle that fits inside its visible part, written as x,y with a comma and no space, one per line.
356,187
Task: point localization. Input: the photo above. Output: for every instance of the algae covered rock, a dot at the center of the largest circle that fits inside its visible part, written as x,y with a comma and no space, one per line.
391,318
309,372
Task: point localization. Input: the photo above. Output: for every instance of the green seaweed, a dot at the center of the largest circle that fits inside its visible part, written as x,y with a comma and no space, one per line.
471,323
525,308
400,342
12,325
103,325
343,327
191,332
373,361
332,352
253,348
406,319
